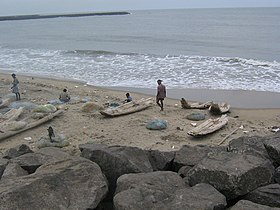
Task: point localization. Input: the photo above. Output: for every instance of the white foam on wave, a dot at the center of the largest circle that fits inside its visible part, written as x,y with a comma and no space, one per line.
139,70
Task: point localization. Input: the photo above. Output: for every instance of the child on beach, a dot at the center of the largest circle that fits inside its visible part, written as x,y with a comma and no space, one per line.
64,96
161,94
128,98
15,88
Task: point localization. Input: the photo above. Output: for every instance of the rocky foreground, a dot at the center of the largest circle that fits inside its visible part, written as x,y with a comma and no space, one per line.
243,175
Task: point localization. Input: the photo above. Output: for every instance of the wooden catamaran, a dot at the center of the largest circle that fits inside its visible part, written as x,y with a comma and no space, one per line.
219,108
195,105
128,108
209,126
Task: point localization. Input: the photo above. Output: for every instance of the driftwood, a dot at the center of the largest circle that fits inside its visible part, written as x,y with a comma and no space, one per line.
11,115
226,137
4,135
5,102
219,108
194,105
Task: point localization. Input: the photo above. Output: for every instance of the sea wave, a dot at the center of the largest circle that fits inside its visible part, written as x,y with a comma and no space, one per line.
104,68
94,52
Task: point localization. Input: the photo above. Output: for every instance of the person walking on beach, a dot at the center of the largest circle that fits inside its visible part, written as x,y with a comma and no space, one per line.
64,96
161,94
15,88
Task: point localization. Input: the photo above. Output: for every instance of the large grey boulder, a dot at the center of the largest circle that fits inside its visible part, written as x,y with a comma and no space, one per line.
165,181
200,196
272,145
3,164
164,191
115,161
17,151
253,145
233,174
31,161
267,195
65,184
192,155
248,205
160,160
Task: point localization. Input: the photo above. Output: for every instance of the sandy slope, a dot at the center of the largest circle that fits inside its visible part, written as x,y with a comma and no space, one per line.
129,130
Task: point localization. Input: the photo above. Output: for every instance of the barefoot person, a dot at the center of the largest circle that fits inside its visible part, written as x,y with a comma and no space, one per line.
161,94
15,88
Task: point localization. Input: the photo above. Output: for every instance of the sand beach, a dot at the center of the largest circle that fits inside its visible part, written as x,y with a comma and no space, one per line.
247,115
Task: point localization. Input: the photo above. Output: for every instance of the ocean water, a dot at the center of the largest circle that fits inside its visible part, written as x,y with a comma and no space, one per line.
188,48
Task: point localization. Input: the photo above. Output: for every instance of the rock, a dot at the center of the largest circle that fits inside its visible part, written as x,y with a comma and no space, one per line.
200,196
253,144
164,190
67,184
31,161
248,205
116,161
232,174
268,195
17,151
146,190
161,161
58,141
276,176
3,164
192,155
272,146
183,171
157,124
13,170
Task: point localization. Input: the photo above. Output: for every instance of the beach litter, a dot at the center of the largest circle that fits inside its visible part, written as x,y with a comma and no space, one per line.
90,107
194,124
46,108
275,129
25,105
196,116
157,124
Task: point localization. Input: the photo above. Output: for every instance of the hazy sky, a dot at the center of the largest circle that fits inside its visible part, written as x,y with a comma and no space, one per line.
17,7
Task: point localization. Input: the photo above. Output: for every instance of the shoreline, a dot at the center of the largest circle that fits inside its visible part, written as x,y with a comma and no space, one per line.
241,99
129,130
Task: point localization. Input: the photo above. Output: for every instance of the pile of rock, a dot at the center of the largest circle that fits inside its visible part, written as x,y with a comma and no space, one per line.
243,175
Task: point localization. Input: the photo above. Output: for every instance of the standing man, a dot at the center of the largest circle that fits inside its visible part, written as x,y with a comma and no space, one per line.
161,94
15,88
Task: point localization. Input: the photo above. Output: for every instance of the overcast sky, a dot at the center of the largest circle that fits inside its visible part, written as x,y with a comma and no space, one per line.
18,7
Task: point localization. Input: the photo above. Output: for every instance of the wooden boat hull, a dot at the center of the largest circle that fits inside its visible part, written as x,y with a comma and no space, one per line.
8,133
195,105
127,108
209,126
219,108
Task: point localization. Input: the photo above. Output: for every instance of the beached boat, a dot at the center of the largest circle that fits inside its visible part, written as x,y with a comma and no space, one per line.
128,108
209,126
195,105
219,108
10,124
